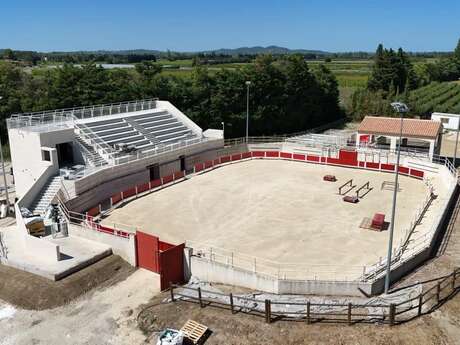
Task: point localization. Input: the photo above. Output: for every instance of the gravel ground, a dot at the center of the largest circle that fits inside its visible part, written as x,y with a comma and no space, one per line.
105,316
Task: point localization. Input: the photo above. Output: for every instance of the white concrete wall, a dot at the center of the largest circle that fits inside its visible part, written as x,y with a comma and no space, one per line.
46,250
452,121
125,247
219,273
26,154
180,116
216,272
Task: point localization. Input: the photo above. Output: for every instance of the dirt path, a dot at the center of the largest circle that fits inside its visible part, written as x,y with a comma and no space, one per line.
105,316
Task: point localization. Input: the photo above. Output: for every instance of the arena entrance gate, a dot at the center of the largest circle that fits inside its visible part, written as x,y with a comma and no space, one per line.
160,257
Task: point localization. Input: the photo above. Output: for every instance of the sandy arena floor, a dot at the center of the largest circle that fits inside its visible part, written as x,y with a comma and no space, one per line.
277,210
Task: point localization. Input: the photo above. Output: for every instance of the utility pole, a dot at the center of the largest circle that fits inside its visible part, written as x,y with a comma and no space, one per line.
248,83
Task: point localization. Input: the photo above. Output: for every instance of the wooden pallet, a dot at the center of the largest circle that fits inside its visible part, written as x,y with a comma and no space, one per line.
194,330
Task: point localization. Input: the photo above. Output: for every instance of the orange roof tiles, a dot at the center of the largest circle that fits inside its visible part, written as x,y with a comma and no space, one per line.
412,128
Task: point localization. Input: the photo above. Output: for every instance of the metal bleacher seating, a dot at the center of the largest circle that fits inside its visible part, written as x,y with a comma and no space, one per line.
143,132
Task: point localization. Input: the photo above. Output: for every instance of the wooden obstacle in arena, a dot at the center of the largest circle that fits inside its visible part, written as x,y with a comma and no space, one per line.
329,178
349,183
366,188
389,185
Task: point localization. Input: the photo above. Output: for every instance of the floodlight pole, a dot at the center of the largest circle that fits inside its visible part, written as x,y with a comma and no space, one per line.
4,176
248,83
223,130
401,111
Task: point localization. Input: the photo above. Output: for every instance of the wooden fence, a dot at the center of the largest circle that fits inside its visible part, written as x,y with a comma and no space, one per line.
442,290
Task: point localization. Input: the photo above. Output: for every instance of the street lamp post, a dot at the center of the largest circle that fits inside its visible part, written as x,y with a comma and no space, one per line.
400,108
223,130
4,175
248,83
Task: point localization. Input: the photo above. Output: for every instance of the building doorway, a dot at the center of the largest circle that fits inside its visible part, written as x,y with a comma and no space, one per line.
65,154
154,172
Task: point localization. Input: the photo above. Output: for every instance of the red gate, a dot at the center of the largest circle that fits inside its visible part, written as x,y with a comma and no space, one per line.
160,257
147,248
171,264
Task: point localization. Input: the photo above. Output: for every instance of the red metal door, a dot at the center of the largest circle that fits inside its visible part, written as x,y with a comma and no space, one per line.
171,264
147,251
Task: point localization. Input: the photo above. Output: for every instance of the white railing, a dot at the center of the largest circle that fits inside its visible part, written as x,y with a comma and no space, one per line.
160,150
71,114
277,270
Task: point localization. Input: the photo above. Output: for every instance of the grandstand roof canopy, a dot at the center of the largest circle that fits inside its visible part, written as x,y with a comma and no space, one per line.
390,126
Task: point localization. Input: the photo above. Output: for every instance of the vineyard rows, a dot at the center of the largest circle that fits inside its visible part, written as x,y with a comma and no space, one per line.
440,97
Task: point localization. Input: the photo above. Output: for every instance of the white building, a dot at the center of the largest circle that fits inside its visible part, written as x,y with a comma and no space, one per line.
449,121
383,132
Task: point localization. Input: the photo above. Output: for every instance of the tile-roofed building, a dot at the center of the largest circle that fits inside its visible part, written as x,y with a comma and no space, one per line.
412,128
373,127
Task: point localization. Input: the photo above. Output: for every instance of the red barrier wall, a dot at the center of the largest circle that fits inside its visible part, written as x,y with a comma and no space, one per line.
272,154
348,157
246,155
416,173
286,155
172,266
298,156
372,165
404,170
389,167
258,154
129,192
143,187
312,158
225,159
155,183
199,167
178,175
208,164
147,251
362,164
116,198
93,212
236,157
216,161
168,179
334,161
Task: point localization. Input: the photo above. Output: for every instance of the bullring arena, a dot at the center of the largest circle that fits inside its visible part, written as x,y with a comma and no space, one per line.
141,180
281,211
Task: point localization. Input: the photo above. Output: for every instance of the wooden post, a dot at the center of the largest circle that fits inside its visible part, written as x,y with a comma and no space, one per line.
392,314
268,311
349,313
438,292
308,313
231,303
454,273
420,304
199,297
171,289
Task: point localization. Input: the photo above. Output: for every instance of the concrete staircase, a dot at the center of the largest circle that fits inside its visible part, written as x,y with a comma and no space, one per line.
90,153
46,195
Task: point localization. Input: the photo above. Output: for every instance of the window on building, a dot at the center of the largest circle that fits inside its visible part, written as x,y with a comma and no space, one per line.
46,156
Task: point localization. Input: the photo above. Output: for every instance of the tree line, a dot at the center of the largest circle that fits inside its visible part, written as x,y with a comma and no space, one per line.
394,77
285,96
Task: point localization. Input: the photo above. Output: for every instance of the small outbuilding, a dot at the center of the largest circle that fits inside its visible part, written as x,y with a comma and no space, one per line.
449,121
383,132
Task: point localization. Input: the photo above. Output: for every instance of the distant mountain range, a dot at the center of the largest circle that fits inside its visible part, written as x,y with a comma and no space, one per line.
275,50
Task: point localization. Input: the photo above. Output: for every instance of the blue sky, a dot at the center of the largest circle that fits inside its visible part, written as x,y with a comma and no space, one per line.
333,25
